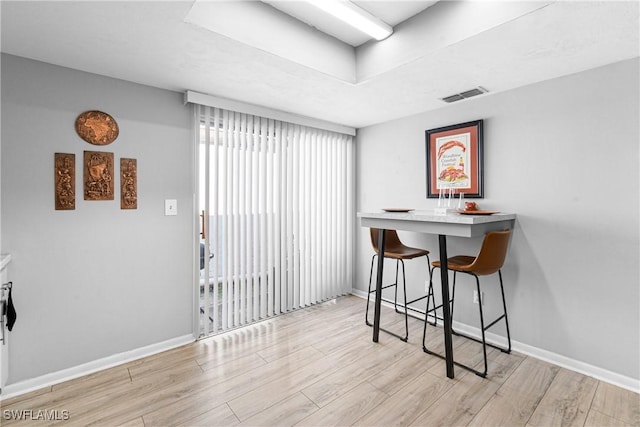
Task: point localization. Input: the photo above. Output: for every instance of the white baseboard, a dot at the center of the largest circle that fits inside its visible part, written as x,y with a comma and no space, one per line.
359,293
26,386
610,377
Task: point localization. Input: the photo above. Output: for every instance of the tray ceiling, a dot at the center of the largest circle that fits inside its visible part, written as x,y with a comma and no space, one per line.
285,64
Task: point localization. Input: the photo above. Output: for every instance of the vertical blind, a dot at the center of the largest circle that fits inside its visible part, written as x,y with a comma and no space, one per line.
278,212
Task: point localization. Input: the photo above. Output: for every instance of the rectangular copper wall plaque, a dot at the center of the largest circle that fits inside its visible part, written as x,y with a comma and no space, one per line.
65,179
98,175
128,184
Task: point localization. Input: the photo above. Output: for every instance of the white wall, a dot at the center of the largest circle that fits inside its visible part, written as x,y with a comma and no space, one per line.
563,155
96,281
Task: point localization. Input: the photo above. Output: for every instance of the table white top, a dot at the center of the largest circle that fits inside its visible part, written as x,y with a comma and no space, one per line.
429,215
452,224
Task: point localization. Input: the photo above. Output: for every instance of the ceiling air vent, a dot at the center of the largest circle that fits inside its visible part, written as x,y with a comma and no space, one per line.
464,95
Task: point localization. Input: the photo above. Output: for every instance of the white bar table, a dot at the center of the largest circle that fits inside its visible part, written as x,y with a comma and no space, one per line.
453,224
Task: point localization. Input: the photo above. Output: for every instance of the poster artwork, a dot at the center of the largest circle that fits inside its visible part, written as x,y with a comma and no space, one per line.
453,165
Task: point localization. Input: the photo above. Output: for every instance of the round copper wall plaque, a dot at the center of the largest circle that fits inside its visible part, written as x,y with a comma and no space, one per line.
97,128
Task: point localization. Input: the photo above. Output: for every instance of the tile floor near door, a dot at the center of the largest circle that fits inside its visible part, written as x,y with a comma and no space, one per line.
319,367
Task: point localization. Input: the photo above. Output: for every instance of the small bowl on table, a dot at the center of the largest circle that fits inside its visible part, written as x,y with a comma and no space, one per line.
470,206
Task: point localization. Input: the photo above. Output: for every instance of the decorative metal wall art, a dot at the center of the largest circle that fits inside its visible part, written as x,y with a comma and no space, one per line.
128,184
97,128
65,179
98,175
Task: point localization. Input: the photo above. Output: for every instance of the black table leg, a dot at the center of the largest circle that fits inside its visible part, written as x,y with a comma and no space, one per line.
446,308
378,304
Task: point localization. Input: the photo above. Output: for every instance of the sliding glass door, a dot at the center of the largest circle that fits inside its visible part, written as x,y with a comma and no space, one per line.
277,217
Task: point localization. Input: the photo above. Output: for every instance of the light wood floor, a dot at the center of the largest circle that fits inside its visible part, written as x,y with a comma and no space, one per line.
319,367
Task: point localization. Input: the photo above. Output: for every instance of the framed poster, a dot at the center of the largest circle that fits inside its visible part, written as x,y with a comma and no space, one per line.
454,159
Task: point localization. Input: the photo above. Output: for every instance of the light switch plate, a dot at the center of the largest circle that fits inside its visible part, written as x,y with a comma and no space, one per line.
171,207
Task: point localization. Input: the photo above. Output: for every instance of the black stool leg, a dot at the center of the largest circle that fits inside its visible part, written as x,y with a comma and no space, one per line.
484,342
482,327
395,299
426,320
506,319
503,316
431,295
427,310
395,296
406,311
366,313
452,302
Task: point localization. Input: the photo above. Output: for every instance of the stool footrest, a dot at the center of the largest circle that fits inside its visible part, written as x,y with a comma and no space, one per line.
494,322
417,310
418,299
460,334
468,368
384,287
405,338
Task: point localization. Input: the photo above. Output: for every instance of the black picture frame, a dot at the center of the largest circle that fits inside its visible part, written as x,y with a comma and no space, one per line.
454,159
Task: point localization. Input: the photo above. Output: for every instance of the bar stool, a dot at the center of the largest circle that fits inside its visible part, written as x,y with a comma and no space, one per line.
395,249
490,260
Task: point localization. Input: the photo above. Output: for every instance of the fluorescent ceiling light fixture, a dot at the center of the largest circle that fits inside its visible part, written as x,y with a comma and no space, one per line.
355,16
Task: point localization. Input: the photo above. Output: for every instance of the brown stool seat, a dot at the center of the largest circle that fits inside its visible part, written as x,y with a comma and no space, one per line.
458,262
393,247
405,252
489,260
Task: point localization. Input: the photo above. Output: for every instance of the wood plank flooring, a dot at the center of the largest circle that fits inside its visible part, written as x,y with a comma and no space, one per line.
318,367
